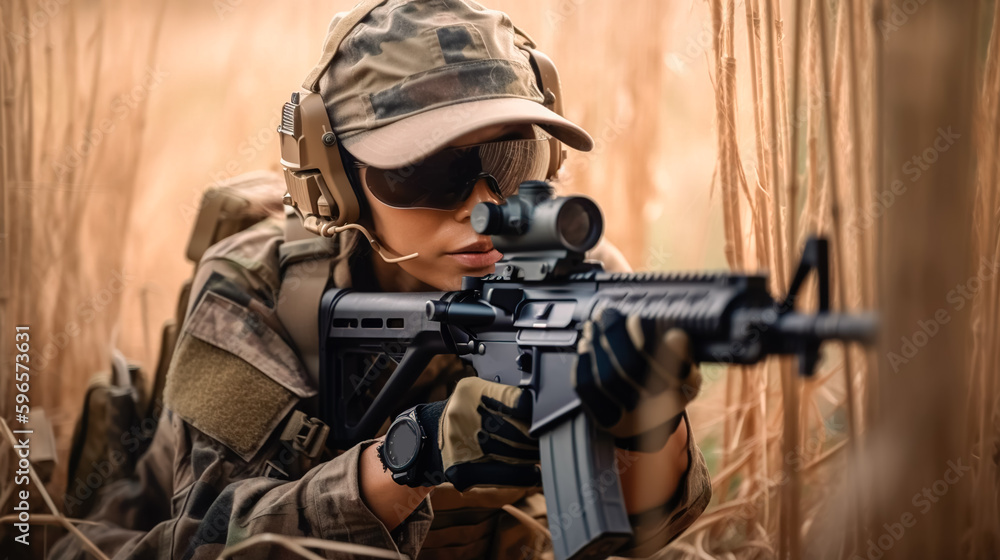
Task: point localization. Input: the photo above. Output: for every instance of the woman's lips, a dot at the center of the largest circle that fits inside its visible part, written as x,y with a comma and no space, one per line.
476,260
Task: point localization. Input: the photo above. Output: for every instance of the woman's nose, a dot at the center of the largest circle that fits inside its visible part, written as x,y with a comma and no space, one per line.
481,192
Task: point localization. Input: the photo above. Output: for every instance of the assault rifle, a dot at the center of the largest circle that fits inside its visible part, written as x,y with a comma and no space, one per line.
519,326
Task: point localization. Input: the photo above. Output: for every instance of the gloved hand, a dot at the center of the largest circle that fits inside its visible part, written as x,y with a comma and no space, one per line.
635,377
478,436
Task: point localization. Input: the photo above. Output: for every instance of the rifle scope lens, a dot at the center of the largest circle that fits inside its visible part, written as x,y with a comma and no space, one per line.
579,224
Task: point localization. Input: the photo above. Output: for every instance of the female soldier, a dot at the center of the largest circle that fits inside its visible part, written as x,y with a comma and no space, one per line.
433,106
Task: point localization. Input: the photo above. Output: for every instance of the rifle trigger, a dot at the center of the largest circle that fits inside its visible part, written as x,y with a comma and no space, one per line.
523,361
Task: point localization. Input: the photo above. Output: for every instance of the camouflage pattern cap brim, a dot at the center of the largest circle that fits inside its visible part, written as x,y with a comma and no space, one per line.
410,140
450,66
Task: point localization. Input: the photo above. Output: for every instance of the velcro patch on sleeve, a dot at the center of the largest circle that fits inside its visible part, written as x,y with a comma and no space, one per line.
232,377
224,396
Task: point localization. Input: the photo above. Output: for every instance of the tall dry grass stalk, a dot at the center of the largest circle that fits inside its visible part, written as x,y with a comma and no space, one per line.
983,398
927,253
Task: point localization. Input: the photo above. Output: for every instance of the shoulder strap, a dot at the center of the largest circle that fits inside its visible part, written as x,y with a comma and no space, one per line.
305,261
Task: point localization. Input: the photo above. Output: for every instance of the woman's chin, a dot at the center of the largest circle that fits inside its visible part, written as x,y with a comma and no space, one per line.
449,278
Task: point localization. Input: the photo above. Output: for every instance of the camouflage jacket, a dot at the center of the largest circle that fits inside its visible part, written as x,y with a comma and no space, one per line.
218,472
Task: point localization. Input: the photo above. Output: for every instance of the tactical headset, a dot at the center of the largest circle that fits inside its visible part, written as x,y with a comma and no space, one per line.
319,190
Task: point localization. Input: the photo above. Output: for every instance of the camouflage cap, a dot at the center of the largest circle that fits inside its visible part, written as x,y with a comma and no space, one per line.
413,75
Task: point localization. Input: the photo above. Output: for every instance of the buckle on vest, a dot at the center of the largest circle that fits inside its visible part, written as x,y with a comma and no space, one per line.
306,434
272,470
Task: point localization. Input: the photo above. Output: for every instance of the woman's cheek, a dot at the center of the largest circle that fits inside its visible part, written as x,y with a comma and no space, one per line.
438,271
426,232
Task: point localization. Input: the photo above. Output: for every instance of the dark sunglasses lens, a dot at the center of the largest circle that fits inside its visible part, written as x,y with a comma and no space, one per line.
445,179
416,185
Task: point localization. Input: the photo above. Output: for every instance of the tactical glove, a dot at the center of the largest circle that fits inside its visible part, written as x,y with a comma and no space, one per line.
478,436
635,377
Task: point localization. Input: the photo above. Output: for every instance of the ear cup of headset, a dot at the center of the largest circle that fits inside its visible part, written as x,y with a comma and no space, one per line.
317,181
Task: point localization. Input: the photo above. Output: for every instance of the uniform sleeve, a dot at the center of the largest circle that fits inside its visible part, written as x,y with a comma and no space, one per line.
222,504
654,529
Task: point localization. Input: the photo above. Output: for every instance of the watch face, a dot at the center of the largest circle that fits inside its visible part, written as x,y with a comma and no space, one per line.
401,444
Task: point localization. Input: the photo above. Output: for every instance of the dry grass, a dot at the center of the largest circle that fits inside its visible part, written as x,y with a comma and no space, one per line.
73,128
814,477
716,147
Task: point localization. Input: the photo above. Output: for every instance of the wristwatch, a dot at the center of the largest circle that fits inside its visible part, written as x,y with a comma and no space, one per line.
402,446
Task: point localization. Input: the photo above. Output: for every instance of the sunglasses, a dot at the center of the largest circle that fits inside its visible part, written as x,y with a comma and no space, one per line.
444,180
